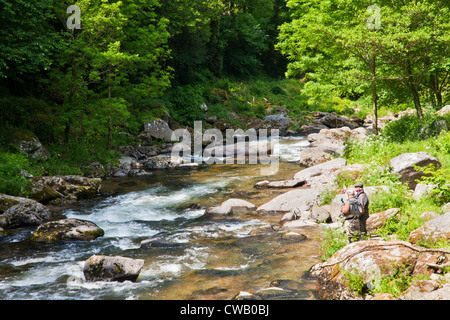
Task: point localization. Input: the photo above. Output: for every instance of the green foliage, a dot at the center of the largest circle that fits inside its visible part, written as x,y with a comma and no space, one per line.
397,282
28,41
438,177
12,181
355,282
402,61
332,242
185,104
411,128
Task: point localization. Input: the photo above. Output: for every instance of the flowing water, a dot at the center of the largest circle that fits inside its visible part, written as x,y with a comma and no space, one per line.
204,257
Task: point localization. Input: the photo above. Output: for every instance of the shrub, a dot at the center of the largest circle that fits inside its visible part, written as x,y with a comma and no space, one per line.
12,181
411,128
185,104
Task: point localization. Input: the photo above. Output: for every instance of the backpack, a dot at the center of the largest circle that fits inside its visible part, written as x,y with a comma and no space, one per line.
355,208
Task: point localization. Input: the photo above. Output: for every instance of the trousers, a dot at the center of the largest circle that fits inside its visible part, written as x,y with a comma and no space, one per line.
352,229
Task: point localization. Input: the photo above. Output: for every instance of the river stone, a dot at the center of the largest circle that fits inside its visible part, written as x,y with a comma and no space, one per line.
66,230
115,268
293,237
444,110
24,214
403,165
298,200
164,162
7,201
16,212
231,206
433,230
328,143
321,214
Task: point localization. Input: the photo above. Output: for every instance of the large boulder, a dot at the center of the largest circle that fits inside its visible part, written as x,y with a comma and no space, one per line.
30,144
327,144
433,230
368,260
164,162
332,120
321,176
116,268
298,200
275,121
45,189
404,165
231,206
158,129
66,230
16,212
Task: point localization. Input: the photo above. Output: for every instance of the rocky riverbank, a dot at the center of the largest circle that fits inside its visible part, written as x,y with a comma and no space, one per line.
296,208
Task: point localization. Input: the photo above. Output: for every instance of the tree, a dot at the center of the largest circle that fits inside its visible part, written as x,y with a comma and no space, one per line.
27,37
335,35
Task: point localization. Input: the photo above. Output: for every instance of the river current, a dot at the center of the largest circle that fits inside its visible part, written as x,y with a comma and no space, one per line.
208,257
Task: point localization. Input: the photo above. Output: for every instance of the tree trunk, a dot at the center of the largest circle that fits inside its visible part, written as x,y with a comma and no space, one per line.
417,102
66,136
109,145
375,107
374,96
437,90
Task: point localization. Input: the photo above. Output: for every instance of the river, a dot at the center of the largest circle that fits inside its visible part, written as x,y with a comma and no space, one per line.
210,257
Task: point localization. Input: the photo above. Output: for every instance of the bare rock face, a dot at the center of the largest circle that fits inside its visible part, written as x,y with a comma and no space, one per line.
116,268
66,230
404,164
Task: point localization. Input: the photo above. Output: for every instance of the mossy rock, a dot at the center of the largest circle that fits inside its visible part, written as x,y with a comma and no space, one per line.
66,230
115,268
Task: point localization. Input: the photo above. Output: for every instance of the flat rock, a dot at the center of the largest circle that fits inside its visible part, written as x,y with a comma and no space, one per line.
294,200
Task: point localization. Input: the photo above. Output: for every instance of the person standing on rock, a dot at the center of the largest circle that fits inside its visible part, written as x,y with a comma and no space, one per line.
352,211
364,201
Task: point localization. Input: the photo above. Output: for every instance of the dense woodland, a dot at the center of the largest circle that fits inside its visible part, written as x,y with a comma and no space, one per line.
135,61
